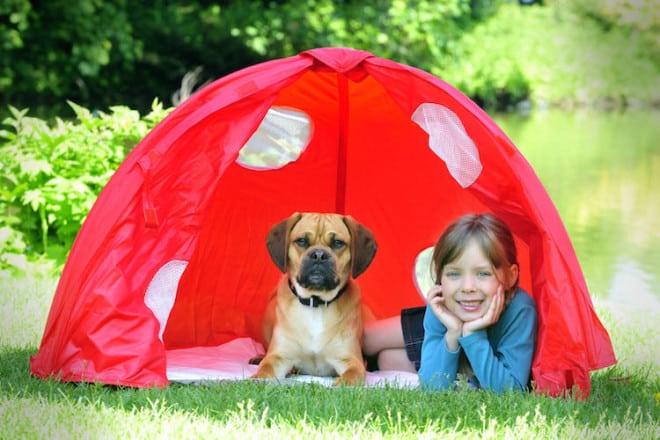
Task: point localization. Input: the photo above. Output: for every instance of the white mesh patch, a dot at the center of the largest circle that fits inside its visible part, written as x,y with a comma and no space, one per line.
162,291
422,272
280,139
448,139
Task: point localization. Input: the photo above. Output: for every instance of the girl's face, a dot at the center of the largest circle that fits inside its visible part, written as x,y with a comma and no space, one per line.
470,282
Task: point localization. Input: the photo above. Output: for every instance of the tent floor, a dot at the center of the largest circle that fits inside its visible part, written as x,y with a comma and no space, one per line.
229,362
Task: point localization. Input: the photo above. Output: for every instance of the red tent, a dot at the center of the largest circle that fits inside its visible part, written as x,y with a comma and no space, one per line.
395,147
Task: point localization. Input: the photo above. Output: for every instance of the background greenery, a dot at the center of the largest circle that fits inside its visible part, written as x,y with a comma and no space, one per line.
99,53
51,174
98,75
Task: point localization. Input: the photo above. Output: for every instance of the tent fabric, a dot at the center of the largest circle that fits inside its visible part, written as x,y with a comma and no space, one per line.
397,148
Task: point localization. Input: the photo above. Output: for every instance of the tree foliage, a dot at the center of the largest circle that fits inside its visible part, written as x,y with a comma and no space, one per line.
51,174
104,53
99,53
640,19
120,55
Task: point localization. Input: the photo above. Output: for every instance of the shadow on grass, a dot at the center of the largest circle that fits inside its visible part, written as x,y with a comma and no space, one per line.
611,400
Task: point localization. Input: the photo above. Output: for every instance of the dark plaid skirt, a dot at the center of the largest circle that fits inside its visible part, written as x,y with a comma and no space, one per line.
412,325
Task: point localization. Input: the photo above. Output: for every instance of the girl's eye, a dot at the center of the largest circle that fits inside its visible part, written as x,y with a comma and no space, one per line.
337,244
452,274
302,242
483,274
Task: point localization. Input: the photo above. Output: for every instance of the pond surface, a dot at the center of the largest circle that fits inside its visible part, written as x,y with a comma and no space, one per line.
602,171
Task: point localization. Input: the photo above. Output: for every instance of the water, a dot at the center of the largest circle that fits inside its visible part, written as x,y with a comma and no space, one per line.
602,171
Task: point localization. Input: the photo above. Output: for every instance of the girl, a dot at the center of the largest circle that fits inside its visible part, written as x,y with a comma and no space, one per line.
477,321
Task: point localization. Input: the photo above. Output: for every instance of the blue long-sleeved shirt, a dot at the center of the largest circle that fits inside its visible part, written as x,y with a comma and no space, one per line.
500,356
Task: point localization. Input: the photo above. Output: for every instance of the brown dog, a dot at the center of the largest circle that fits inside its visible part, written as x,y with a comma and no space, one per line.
314,320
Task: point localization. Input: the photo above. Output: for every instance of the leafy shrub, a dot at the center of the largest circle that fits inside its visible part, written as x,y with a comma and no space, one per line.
50,175
552,55
416,32
100,53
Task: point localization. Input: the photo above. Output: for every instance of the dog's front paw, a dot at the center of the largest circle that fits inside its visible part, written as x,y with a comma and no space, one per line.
351,382
266,370
351,377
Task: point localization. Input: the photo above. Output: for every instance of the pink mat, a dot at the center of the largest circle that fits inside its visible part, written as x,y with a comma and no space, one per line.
229,361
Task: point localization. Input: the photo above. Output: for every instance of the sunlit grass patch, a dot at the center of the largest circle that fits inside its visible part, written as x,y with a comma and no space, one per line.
24,306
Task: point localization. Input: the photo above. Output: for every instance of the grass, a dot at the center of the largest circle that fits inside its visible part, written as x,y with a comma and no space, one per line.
35,408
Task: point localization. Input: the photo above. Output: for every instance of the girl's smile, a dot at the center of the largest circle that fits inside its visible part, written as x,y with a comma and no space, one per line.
470,306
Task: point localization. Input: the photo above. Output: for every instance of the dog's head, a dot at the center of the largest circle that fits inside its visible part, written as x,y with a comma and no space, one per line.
321,251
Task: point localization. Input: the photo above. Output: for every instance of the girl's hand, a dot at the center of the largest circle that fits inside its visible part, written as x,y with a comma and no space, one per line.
490,317
454,325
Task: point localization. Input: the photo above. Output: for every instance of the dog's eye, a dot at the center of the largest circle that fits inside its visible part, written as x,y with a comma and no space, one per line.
302,242
337,244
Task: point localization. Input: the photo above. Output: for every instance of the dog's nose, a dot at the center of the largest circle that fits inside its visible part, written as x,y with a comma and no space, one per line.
319,255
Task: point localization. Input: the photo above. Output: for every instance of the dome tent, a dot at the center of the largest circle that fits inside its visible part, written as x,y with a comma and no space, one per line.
395,147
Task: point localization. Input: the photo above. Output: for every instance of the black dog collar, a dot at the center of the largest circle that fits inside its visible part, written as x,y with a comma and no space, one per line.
315,300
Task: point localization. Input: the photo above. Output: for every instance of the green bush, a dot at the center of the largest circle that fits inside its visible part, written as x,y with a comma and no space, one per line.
496,51
51,174
552,55
415,32
102,53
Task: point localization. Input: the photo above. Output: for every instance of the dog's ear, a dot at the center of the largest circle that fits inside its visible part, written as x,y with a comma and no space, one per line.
277,240
363,246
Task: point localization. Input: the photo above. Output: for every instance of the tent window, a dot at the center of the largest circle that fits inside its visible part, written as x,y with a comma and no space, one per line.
422,271
280,139
161,291
449,140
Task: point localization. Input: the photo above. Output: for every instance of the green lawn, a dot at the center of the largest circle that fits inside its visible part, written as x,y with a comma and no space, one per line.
34,408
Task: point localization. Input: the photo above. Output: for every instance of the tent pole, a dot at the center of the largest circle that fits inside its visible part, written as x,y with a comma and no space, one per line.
342,148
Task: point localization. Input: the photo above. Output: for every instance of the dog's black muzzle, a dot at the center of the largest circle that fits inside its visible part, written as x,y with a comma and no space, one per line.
318,270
